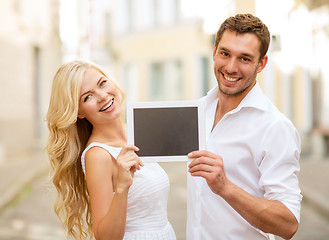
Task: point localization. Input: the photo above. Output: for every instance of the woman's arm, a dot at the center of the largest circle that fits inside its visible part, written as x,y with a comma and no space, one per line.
109,209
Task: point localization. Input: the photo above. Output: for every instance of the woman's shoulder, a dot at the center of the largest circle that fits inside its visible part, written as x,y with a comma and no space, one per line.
97,162
98,154
103,147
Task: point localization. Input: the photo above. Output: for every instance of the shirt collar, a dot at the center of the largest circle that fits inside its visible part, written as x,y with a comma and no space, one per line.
254,99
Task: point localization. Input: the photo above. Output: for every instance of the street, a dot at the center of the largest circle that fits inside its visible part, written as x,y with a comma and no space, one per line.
31,215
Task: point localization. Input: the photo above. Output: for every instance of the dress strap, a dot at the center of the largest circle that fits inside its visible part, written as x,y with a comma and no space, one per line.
114,151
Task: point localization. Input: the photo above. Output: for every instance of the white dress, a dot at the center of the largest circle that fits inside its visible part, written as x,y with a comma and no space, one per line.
147,201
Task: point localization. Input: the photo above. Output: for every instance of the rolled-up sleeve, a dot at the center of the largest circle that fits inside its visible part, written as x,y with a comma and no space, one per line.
279,166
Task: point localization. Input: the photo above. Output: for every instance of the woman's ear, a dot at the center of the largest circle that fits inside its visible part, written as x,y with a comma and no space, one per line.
80,116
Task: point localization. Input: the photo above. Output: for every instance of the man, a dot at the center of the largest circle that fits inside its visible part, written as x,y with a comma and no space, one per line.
245,185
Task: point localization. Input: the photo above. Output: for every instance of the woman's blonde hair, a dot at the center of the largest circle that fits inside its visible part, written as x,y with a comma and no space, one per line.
67,139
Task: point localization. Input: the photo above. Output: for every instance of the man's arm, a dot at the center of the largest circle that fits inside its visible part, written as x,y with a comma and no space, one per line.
269,216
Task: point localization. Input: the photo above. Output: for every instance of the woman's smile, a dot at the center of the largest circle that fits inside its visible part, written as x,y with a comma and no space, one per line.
107,106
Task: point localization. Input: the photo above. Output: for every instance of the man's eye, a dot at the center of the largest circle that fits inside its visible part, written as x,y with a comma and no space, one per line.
245,59
224,54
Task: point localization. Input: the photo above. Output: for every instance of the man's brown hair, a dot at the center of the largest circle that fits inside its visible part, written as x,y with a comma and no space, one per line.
246,23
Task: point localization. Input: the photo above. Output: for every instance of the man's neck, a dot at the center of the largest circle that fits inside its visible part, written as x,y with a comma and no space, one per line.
227,103
222,108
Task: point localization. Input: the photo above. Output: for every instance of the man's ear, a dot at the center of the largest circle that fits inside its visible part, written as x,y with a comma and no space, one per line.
214,53
262,63
80,116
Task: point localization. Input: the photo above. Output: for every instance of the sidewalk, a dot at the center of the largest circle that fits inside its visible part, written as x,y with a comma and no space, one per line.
314,183
18,173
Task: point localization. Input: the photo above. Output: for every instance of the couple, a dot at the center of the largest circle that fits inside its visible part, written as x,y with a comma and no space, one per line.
244,186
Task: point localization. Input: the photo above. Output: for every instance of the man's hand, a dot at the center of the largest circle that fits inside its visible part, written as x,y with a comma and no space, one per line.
270,216
209,166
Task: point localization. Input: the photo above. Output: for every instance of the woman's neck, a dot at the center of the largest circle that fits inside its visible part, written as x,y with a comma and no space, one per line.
113,134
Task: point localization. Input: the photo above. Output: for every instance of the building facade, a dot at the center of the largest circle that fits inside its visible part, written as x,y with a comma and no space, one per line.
158,50
30,54
162,50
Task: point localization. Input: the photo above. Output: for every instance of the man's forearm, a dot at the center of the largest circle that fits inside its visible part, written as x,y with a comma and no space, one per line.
267,215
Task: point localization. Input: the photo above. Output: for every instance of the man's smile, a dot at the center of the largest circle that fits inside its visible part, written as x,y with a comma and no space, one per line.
231,79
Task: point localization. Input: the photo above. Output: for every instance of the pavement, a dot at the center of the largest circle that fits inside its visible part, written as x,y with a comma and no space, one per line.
314,183
17,172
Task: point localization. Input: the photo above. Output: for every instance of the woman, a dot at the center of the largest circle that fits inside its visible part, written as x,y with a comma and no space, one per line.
103,187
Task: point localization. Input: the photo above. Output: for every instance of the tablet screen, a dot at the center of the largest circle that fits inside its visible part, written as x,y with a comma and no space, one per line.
166,131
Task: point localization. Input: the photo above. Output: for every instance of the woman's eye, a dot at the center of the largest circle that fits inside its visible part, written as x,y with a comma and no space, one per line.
86,98
102,83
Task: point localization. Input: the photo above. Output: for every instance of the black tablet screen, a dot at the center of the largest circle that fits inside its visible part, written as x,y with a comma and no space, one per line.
166,131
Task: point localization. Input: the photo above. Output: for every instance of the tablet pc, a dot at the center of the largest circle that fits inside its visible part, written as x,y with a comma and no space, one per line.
166,131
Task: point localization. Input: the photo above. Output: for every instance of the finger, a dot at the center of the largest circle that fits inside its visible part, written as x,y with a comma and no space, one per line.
133,163
134,156
140,163
128,164
204,160
211,179
131,159
128,148
199,153
204,168
205,175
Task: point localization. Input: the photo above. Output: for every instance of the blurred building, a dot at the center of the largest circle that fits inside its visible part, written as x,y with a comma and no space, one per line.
30,54
296,77
162,50
158,50
150,47
319,74
160,54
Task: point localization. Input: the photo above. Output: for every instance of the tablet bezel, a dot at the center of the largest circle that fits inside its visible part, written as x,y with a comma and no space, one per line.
166,104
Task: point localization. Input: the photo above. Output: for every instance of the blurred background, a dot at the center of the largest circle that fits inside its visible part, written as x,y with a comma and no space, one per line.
157,50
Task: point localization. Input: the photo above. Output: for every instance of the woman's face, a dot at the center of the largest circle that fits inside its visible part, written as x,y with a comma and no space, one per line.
99,99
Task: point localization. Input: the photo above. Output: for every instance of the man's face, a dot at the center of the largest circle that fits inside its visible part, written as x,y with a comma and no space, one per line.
236,63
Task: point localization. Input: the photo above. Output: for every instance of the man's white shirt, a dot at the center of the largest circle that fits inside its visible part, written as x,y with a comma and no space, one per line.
260,148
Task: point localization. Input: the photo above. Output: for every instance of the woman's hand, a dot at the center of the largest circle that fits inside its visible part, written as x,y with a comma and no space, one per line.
128,163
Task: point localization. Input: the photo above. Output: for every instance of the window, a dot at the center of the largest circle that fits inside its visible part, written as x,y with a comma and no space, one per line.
157,81
130,82
204,75
130,15
166,81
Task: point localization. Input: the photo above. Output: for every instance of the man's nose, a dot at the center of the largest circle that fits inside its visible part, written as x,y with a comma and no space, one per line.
231,66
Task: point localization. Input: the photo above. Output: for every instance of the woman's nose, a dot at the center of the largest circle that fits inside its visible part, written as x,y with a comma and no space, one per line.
101,96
